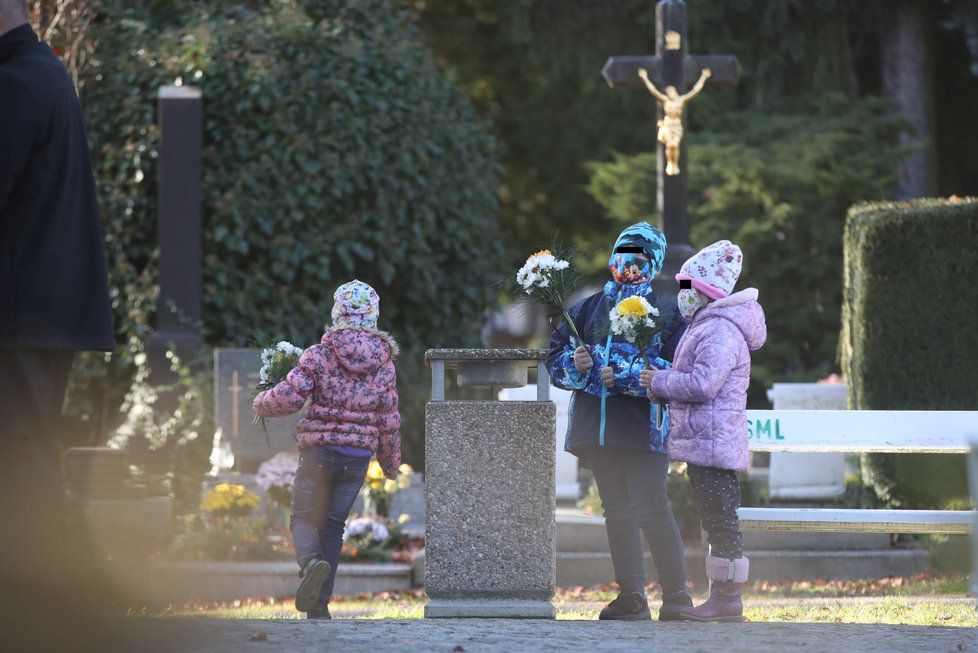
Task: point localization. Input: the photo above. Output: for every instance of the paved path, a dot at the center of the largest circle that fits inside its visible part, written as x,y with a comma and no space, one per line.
172,635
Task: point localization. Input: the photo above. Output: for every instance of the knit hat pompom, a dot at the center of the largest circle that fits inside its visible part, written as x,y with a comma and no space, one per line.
714,270
357,304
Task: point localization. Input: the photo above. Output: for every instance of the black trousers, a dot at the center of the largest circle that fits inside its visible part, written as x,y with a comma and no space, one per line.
717,493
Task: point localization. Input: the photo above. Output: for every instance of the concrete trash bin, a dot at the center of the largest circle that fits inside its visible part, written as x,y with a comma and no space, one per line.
490,536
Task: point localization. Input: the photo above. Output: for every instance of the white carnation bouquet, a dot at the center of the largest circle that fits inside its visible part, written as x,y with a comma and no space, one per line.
549,280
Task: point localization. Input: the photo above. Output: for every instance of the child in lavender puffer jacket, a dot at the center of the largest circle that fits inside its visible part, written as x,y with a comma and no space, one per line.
353,414
707,394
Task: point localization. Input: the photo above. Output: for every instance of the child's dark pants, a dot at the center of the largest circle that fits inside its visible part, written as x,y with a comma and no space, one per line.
326,485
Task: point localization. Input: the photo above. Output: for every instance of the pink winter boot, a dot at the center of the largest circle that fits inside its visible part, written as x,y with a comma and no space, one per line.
727,576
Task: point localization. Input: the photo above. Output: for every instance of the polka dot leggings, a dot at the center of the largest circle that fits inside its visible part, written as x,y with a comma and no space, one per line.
717,495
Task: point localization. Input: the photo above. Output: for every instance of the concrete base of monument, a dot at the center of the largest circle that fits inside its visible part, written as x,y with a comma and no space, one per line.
489,609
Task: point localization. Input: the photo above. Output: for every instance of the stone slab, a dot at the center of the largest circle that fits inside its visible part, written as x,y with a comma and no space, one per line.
235,378
488,609
594,568
178,582
128,527
490,500
790,541
568,488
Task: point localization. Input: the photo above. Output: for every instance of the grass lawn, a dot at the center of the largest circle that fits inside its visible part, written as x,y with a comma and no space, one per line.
922,601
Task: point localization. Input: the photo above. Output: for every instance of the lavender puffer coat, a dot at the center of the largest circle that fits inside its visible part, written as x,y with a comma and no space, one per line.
707,385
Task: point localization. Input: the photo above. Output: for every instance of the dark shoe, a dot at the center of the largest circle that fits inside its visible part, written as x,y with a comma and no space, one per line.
723,605
673,604
320,612
307,596
627,607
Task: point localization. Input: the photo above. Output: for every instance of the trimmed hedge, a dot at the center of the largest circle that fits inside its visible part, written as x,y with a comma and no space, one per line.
910,331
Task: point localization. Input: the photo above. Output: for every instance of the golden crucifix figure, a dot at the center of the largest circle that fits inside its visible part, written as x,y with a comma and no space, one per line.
671,126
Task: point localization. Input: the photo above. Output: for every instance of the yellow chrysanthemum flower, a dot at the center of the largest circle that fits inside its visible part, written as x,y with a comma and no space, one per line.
633,306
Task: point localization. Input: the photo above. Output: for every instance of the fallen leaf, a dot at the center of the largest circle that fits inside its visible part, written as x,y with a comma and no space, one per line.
458,649
260,637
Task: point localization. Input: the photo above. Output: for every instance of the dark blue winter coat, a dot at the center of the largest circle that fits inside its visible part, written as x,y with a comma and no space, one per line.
628,423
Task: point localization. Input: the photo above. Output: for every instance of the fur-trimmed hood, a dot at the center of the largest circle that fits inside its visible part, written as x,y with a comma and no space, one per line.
361,350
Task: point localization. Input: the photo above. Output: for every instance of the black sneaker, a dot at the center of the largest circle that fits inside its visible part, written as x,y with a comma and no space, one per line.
321,612
627,607
307,596
673,604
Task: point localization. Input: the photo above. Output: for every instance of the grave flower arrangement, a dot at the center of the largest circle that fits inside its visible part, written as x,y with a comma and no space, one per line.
276,363
226,529
229,500
548,280
373,539
378,489
276,477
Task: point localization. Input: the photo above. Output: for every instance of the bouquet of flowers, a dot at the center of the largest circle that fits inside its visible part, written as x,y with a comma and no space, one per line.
368,538
276,477
632,319
229,500
276,363
548,280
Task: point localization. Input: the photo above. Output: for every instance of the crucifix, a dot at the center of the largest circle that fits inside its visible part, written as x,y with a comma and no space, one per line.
665,76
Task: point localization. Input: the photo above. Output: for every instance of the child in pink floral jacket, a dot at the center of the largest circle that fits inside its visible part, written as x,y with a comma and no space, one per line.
353,415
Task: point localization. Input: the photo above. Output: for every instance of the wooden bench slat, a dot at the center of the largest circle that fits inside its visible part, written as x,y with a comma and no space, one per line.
848,520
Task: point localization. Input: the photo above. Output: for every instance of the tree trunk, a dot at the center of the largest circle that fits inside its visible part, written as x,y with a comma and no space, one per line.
906,60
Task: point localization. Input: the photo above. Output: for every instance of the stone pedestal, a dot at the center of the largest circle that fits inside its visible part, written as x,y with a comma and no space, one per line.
807,476
490,547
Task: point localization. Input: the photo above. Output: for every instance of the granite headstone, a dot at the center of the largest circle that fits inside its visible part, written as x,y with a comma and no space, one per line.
239,444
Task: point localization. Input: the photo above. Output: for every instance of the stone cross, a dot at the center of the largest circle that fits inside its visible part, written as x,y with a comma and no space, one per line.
671,66
179,307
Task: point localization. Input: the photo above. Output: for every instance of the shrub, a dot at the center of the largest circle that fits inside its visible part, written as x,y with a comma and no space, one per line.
335,148
908,331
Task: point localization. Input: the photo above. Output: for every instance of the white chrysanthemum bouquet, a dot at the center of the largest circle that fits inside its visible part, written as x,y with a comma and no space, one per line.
548,280
276,363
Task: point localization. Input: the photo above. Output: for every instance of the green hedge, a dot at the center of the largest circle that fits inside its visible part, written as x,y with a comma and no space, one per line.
335,147
910,319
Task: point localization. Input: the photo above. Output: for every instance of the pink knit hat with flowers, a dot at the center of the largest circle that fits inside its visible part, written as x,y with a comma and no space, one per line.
714,269
356,304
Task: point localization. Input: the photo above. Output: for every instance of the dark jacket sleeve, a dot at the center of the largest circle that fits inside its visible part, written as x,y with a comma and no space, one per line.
673,330
560,360
18,124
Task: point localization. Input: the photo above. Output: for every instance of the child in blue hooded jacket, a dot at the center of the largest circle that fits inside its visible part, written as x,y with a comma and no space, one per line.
613,430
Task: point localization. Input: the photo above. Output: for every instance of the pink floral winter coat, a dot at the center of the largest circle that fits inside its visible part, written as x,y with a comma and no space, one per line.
351,378
707,385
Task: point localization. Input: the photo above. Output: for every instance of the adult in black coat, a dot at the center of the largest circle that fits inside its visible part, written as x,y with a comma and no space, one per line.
54,301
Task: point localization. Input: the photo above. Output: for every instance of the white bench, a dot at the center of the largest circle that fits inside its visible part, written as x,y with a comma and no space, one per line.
860,431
